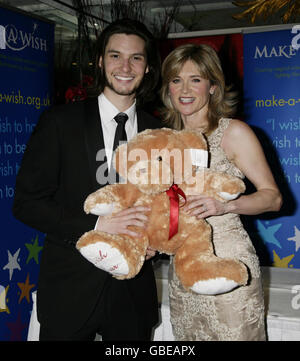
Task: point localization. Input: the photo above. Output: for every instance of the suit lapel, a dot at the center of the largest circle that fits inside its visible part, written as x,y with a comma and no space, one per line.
93,139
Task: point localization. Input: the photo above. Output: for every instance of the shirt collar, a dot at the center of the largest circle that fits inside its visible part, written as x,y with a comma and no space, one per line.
108,110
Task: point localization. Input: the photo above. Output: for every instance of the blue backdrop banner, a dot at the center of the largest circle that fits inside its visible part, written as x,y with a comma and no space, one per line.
26,73
272,108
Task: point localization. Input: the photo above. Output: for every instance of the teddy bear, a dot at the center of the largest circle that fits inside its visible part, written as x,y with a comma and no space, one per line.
158,169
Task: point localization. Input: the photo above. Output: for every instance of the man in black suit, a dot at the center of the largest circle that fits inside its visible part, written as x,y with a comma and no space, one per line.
60,167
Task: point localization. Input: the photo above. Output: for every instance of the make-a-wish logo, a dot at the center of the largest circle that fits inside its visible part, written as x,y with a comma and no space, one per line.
296,38
17,39
285,51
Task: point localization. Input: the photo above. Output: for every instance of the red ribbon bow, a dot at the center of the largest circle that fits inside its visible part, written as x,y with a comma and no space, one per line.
173,192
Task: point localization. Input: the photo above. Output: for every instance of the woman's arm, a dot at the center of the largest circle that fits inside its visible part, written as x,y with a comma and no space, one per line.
245,151
242,147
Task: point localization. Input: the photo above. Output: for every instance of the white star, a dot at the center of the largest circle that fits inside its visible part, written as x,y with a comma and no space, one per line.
12,263
296,238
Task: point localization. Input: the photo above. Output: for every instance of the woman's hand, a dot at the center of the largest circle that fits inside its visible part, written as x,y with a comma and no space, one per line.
202,206
118,223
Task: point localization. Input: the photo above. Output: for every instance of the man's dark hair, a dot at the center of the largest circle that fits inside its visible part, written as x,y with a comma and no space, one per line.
132,27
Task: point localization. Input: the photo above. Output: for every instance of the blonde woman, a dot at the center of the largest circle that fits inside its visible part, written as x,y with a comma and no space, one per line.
195,97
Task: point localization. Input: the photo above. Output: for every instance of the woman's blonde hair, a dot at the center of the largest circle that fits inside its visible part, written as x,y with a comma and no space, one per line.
222,102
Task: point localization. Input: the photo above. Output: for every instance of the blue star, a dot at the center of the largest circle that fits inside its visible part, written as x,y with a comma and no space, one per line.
267,234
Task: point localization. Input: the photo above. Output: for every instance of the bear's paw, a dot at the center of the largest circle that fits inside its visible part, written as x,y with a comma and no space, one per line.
106,257
228,196
214,286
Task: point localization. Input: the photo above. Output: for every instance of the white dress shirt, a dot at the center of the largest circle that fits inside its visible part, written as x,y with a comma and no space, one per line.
107,113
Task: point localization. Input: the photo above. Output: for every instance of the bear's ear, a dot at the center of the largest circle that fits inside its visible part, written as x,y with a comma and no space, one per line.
192,139
120,160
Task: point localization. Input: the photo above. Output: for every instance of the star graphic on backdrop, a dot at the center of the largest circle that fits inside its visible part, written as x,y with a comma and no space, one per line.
25,289
281,262
12,263
267,233
34,250
296,238
3,299
16,328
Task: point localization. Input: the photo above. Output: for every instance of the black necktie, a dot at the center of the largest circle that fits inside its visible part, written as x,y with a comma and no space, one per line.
120,135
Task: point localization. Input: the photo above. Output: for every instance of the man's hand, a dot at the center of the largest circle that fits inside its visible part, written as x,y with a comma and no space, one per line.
150,252
118,223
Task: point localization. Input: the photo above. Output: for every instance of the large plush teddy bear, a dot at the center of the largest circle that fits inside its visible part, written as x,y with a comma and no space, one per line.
160,167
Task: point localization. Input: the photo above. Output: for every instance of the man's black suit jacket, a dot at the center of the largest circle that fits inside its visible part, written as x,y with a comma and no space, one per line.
58,172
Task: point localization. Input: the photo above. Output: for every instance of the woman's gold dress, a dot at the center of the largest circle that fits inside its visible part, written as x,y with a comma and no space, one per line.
237,315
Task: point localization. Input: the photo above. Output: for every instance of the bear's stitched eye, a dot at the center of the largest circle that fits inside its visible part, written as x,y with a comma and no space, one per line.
159,158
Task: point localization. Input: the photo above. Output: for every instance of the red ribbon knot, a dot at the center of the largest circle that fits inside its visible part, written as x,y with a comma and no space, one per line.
173,192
